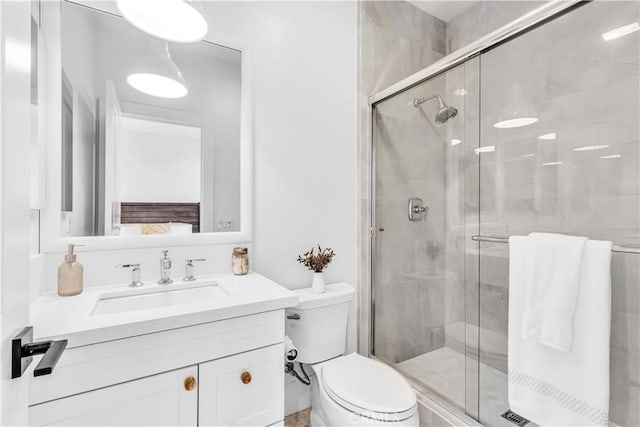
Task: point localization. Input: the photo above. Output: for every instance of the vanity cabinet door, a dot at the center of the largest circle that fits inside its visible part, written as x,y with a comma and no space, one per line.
167,399
245,389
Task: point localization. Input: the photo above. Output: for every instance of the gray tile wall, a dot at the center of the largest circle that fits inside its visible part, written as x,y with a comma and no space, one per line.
396,39
482,18
409,283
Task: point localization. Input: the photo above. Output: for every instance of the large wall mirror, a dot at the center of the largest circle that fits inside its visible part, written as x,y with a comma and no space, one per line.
150,132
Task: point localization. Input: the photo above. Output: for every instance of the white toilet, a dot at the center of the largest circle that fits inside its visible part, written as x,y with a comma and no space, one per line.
347,389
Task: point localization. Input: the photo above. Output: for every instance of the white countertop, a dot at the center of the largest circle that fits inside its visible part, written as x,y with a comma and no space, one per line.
54,317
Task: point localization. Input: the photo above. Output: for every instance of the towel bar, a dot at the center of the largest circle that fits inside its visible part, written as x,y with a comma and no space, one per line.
614,248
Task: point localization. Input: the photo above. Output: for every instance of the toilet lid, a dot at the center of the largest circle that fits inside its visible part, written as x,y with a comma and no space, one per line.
369,388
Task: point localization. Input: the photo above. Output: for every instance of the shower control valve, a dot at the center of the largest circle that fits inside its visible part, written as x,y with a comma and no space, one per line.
417,210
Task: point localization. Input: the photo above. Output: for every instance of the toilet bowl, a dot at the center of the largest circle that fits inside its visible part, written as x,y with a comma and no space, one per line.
346,389
355,390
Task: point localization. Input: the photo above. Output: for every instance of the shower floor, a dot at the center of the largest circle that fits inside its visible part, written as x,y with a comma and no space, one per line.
443,370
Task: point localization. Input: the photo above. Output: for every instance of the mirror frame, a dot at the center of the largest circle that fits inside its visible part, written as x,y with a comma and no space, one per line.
51,240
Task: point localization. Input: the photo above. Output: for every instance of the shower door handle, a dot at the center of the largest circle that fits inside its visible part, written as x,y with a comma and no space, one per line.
375,230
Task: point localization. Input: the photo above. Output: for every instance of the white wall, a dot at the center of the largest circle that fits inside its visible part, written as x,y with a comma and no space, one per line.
78,59
84,145
158,162
304,63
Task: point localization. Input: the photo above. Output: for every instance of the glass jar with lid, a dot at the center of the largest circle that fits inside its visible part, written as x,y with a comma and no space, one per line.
240,261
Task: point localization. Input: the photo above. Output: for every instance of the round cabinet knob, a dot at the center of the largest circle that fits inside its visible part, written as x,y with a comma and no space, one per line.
189,383
245,377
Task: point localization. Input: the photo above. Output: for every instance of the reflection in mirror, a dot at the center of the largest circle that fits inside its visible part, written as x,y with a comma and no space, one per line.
35,148
150,131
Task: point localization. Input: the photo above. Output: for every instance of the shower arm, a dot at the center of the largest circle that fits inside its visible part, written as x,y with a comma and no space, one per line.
418,101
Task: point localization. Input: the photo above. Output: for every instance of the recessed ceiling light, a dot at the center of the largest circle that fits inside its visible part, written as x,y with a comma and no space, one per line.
591,147
621,31
460,92
486,149
174,20
455,141
548,136
515,123
611,156
552,163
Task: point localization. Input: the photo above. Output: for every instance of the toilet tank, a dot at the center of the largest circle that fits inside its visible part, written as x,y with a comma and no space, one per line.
318,324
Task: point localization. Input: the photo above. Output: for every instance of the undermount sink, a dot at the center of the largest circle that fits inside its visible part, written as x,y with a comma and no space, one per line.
157,297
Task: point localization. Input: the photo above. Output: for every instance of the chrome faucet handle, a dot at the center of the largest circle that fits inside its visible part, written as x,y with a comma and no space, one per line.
135,274
165,268
165,261
188,269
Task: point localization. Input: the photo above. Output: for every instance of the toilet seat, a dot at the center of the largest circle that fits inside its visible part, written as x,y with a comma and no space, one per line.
368,388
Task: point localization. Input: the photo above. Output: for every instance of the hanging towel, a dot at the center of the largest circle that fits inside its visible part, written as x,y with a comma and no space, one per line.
552,278
551,387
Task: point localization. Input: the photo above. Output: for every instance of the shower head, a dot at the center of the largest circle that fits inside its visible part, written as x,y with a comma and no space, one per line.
444,113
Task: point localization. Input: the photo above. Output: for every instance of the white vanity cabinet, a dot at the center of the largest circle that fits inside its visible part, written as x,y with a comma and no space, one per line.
242,390
228,372
158,400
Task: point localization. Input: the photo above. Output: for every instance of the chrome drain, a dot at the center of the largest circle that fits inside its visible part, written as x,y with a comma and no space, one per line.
515,418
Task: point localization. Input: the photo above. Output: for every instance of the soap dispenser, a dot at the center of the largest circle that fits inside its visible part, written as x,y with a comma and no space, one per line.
70,274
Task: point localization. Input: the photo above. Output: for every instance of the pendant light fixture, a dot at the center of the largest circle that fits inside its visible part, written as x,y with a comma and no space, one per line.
156,74
180,21
616,33
598,138
516,113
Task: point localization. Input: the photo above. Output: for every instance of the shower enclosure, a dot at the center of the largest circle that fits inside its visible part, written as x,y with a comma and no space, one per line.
536,132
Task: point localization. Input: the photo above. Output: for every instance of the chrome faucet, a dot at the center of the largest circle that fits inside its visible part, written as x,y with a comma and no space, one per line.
165,269
188,269
135,274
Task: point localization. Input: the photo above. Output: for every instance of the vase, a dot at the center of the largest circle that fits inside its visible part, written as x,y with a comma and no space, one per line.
432,267
318,284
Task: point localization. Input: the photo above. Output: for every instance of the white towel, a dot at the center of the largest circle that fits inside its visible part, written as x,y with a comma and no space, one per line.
552,278
550,387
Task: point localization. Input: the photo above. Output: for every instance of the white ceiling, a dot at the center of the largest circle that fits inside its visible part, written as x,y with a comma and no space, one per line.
443,9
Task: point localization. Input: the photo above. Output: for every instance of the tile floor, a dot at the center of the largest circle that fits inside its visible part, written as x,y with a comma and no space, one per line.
298,419
443,370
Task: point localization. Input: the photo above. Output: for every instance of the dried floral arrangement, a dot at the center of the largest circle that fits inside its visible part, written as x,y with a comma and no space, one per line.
318,260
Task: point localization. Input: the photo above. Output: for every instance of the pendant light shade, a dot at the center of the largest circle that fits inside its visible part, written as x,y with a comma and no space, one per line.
180,21
517,112
515,122
157,75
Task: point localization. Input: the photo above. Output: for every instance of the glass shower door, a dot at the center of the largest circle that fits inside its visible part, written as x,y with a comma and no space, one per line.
574,170
425,210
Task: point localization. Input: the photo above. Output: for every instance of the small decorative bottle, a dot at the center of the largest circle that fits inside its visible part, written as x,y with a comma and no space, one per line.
240,261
